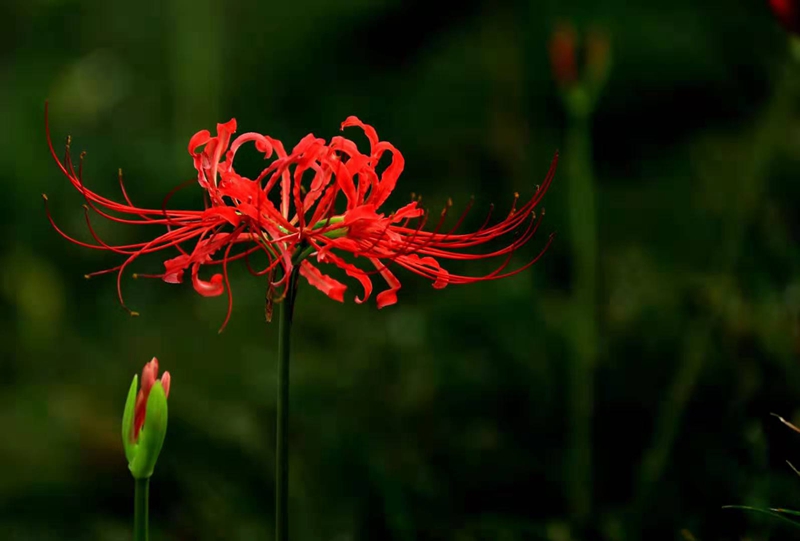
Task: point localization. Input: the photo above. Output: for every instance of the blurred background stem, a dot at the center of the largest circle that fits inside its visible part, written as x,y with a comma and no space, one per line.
582,219
140,509
752,182
282,431
197,33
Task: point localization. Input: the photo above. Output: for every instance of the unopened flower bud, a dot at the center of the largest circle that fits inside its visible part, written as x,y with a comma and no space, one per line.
144,423
563,55
580,66
575,60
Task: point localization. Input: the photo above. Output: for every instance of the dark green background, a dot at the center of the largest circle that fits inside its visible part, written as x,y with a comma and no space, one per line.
448,415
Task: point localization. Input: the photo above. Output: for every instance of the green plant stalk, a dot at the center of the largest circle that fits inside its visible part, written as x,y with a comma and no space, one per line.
768,130
695,349
196,67
141,509
282,431
583,228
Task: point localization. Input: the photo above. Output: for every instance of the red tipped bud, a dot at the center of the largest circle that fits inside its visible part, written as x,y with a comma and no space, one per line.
580,66
563,45
144,422
149,377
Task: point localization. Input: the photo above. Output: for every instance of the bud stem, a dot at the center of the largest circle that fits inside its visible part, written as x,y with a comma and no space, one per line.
141,509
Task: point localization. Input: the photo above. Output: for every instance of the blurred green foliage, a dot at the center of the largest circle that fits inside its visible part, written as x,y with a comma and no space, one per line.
446,416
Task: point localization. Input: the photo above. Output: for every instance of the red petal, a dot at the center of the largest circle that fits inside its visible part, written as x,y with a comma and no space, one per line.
228,214
226,129
357,163
138,416
409,211
262,143
305,144
213,288
389,176
369,131
165,381
198,139
149,376
362,212
440,276
174,269
345,244
351,271
345,181
388,297
174,277
332,288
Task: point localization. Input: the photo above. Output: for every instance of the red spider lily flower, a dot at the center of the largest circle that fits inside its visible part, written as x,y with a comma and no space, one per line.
149,377
788,13
318,204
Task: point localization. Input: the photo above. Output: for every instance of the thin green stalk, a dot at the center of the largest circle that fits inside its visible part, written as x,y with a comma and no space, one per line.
673,406
141,509
583,228
196,64
282,435
751,187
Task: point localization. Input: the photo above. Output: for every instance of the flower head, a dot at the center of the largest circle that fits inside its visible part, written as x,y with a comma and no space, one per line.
319,204
144,422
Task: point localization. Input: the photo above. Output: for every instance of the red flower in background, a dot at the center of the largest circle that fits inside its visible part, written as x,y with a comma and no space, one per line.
319,204
563,54
576,59
788,13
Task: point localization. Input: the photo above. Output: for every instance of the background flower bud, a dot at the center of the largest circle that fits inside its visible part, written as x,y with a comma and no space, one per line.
787,13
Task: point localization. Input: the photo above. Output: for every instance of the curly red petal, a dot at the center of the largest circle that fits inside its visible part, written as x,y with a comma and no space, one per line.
211,288
331,287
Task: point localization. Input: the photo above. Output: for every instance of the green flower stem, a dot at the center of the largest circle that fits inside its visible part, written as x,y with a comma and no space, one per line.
583,229
282,432
140,509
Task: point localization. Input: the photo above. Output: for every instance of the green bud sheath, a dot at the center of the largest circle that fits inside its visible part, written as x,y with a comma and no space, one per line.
127,421
151,437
